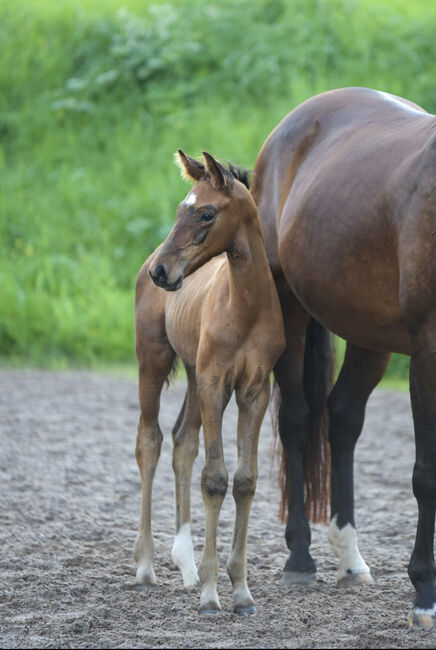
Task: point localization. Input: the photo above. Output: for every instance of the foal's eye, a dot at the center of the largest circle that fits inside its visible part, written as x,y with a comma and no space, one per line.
207,216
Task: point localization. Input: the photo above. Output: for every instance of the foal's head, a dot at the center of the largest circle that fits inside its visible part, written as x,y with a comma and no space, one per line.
206,224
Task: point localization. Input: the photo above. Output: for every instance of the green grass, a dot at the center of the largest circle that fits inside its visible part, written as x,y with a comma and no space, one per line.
93,103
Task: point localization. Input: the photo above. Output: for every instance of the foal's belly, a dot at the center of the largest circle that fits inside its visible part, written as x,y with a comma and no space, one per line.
347,279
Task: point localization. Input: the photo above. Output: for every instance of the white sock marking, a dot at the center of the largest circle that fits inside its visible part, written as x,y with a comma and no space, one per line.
344,544
145,574
429,612
183,556
209,596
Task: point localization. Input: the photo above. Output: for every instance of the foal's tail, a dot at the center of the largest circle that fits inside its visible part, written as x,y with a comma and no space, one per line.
317,383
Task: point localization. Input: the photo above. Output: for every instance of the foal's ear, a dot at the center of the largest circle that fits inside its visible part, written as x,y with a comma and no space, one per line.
220,175
191,169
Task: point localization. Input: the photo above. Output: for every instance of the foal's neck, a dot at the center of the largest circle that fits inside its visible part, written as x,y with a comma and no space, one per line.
250,276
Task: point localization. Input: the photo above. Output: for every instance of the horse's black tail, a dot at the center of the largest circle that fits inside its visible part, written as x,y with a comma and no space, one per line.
317,383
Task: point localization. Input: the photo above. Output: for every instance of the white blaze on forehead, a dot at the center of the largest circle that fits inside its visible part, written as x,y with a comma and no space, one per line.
401,104
190,199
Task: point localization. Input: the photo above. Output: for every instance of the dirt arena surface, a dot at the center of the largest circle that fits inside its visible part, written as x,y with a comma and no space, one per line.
69,509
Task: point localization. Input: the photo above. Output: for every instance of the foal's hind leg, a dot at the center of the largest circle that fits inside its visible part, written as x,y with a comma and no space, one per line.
185,439
360,373
251,412
153,370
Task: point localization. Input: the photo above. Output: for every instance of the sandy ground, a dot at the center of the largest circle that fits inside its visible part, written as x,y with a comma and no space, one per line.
69,508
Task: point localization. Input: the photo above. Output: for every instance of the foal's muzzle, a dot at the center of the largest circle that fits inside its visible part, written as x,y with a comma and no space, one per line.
160,278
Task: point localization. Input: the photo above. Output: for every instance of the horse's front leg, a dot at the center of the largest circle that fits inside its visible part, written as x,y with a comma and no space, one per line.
214,481
423,395
252,407
293,420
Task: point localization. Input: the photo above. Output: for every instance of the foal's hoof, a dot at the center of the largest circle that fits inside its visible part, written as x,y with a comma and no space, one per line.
209,611
363,579
291,578
422,618
143,587
244,611
192,586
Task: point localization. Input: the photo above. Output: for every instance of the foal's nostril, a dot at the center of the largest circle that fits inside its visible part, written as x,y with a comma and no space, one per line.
160,276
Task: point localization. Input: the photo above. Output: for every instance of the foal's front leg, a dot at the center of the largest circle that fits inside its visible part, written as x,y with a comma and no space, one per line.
214,481
252,409
185,439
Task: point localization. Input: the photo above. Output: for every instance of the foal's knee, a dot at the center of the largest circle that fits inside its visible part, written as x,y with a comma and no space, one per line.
244,484
214,483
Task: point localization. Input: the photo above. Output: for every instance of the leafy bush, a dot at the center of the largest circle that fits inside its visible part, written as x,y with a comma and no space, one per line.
184,50
94,101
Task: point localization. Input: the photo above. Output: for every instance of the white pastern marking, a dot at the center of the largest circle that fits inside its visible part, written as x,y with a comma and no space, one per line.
145,574
183,556
429,612
344,544
403,105
209,596
190,199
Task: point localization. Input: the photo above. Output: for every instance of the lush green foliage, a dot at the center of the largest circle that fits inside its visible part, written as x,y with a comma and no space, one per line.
94,101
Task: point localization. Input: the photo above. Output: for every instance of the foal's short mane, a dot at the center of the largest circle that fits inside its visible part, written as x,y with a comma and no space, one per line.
242,174
194,170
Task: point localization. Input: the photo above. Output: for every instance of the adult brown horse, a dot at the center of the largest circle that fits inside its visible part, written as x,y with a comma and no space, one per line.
346,191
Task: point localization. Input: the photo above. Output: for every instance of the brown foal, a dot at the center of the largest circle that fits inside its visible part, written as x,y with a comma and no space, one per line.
207,296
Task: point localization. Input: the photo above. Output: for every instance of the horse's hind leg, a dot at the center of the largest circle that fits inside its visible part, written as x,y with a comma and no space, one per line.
360,373
251,412
153,370
294,430
185,450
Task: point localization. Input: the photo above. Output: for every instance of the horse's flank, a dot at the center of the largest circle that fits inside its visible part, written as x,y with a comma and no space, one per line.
352,165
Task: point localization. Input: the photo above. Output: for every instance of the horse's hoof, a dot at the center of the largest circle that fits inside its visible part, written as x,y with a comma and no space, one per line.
422,618
291,578
363,579
209,611
244,611
192,586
